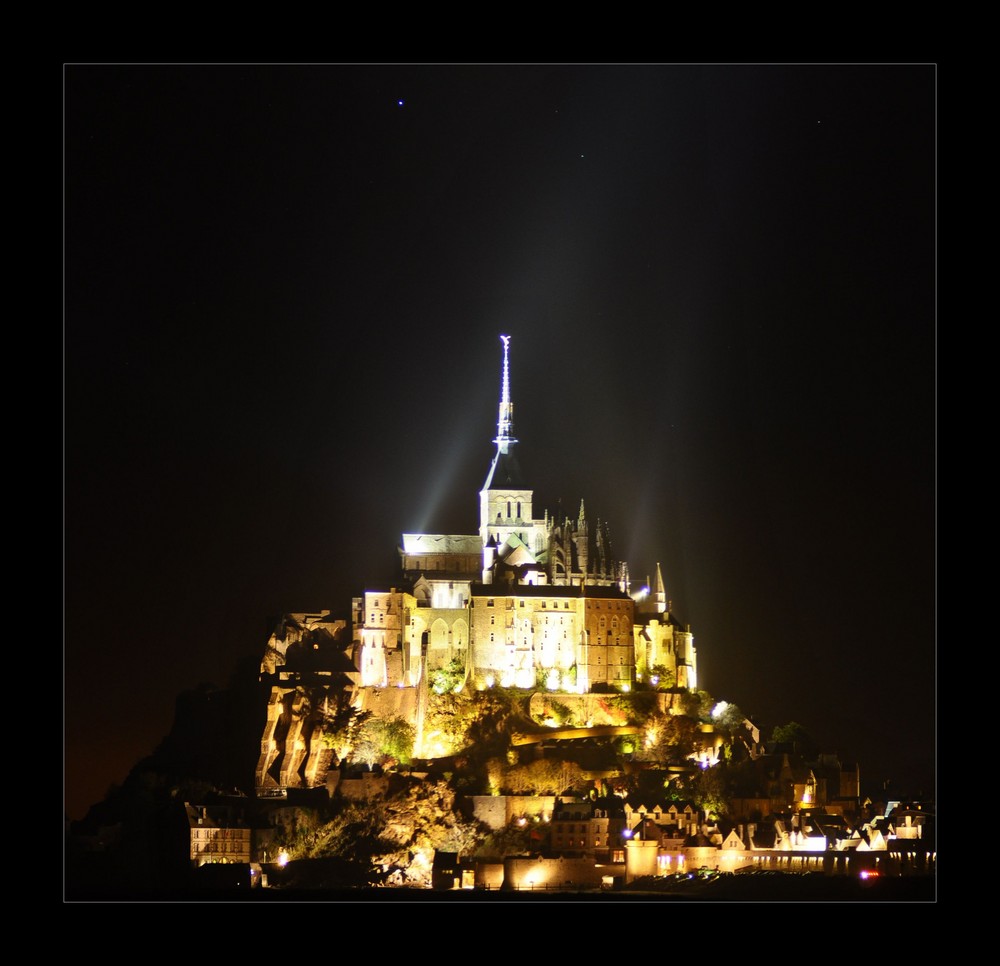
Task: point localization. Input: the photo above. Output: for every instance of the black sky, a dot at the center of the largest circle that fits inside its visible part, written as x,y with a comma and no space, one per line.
283,296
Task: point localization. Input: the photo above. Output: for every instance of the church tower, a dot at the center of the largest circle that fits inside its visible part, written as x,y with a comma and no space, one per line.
506,525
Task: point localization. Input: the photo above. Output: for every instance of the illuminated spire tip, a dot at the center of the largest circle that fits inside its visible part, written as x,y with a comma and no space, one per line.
505,422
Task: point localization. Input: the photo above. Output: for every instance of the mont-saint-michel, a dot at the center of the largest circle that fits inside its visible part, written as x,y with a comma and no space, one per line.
516,715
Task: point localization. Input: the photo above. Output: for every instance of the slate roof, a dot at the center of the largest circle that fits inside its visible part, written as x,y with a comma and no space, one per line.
505,473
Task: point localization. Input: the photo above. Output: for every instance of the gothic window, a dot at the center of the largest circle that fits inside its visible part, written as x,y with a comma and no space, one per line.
508,509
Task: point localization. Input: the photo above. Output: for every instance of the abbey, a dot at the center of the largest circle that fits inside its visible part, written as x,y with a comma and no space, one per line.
524,602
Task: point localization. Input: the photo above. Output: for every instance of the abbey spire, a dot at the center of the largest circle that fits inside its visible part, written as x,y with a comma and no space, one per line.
661,591
505,422
505,512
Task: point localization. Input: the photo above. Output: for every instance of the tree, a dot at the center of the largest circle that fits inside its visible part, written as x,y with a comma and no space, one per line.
384,741
697,704
667,738
662,677
728,719
709,789
342,723
447,679
517,838
543,776
793,733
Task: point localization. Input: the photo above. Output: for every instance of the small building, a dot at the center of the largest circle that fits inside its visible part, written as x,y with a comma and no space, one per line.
218,834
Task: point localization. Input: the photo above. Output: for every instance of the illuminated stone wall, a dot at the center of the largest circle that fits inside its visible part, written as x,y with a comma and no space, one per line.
388,652
520,635
658,642
498,811
488,875
447,635
525,873
566,641
608,652
640,859
506,511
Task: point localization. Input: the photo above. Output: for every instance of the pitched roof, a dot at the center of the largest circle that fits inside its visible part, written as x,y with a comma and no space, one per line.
505,473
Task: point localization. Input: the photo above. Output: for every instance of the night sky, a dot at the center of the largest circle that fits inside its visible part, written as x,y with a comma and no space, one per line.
284,290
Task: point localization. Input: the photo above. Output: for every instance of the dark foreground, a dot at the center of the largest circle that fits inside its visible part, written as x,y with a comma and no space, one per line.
753,887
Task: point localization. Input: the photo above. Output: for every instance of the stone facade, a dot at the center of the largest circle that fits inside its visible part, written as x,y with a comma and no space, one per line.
217,835
525,602
498,811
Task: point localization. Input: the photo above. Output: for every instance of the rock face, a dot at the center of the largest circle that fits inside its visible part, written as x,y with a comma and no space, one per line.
307,663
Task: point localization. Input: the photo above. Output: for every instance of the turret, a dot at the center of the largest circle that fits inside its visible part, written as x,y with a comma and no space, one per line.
661,593
582,541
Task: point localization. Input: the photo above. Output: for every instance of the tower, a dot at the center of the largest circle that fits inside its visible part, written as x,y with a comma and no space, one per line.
506,524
